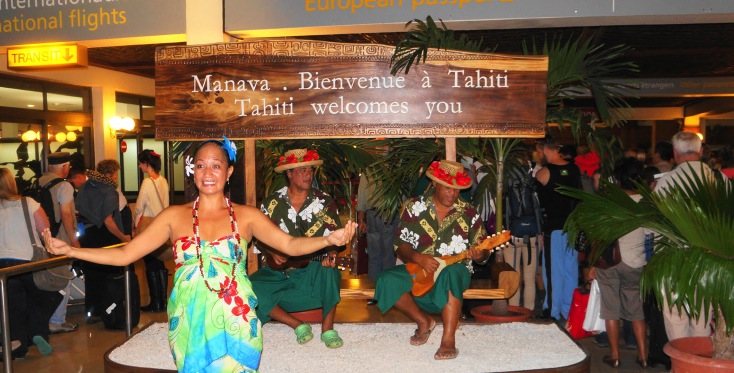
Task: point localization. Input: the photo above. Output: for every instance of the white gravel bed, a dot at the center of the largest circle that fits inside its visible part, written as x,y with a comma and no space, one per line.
147,348
384,347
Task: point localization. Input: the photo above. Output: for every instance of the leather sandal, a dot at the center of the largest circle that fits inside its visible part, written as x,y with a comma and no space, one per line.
331,339
420,339
303,333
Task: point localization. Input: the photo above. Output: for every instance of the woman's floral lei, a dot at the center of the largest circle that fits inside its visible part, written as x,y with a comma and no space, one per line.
310,155
461,178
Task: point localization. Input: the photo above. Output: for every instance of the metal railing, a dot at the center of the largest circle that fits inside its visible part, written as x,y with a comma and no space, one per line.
36,266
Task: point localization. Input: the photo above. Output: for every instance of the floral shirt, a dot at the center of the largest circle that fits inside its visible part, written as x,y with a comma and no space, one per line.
461,229
318,215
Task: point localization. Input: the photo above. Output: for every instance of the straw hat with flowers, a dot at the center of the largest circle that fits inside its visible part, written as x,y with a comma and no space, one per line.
450,174
298,158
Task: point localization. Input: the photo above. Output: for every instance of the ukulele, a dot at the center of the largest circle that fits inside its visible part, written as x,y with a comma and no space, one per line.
342,262
423,281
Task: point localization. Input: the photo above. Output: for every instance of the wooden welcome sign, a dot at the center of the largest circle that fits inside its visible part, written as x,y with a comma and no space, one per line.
313,89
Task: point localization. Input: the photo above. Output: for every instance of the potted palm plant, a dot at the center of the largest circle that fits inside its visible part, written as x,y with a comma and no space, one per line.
693,252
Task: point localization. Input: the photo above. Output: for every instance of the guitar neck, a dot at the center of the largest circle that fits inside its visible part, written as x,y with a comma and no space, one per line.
454,258
490,243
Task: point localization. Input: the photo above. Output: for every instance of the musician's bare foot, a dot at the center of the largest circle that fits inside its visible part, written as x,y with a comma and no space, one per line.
423,332
447,350
446,354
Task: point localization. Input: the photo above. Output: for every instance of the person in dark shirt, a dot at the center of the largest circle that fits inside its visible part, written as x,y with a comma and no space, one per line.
560,270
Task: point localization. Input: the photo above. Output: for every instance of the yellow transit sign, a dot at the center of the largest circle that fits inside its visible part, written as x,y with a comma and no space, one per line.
47,56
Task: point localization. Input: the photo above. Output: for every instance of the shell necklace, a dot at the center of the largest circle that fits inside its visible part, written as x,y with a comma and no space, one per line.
197,238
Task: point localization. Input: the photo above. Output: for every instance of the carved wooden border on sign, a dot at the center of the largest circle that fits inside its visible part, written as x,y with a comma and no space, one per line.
315,89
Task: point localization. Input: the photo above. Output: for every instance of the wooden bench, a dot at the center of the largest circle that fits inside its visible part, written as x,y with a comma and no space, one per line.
509,281
361,288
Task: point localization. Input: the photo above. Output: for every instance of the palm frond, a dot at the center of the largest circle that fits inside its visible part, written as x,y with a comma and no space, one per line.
424,35
576,67
396,173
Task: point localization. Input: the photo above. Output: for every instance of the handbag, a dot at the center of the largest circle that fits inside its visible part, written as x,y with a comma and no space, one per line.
50,279
610,257
593,322
577,314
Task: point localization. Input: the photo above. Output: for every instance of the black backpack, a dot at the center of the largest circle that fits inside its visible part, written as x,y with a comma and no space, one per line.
42,195
523,213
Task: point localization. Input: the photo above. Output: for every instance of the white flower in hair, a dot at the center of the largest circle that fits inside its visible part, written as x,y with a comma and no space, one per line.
189,168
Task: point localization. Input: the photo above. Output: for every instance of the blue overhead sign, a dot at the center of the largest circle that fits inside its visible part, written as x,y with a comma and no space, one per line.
309,17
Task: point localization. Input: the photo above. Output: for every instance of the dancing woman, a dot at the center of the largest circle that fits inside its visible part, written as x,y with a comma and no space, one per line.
212,322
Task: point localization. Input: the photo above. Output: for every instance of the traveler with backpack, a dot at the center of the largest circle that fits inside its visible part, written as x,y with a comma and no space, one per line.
523,217
98,203
62,218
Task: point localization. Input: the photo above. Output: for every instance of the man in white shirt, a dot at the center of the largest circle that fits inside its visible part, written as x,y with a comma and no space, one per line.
687,152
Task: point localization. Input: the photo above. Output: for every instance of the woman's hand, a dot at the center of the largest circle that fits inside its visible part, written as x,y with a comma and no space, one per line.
341,237
54,245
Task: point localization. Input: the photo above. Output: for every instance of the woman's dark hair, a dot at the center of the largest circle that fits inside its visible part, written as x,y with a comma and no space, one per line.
146,156
628,171
219,144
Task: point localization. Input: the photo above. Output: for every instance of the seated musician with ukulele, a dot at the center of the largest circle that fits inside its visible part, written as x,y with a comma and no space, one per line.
292,284
434,226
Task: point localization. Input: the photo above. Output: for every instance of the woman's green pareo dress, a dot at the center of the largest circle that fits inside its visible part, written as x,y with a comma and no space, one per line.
210,332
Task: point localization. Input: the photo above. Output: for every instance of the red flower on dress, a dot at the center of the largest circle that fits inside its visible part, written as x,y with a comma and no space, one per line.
241,308
186,244
230,290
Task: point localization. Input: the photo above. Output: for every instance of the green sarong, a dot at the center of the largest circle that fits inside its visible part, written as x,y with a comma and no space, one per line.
313,286
394,282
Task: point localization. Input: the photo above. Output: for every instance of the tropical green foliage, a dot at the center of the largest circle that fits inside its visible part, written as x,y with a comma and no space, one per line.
693,261
421,37
576,66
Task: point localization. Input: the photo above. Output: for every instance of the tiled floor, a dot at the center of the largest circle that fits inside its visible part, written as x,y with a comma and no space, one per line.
83,350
